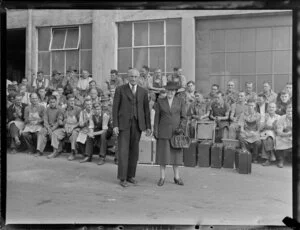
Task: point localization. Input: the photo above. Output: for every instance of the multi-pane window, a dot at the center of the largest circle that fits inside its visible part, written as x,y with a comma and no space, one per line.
60,48
251,54
156,44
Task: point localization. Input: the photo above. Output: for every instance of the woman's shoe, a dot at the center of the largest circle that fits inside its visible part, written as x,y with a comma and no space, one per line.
161,182
178,181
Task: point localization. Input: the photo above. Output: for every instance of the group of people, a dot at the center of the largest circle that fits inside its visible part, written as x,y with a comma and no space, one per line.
73,108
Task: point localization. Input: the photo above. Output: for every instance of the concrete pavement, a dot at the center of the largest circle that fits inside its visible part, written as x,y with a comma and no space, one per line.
41,190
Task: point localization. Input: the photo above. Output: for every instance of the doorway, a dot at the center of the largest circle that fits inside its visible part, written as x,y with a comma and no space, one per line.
16,50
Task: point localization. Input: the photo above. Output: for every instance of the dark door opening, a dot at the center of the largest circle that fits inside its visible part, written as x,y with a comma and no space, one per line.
16,49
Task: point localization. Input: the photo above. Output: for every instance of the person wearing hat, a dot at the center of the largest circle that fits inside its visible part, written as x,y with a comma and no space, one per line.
40,81
70,81
55,81
170,116
100,129
15,118
131,116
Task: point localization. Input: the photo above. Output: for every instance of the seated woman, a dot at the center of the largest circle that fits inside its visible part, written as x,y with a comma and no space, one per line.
284,137
250,126
196,112
219,112
267,134
236,110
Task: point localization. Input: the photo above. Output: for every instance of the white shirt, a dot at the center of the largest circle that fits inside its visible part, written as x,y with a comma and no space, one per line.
133,88
262,112
170,101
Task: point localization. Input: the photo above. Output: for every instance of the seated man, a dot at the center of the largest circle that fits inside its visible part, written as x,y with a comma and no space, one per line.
70,128
270,95
249,134
196,112
156,83
284,137
261,106
267,134
93,85
40,81
34,118
15,118
231,95
288,88
51,118
43,99
79,100
249,91
114,81
55,81
94,96
213,91
189,94
25,94
83,83
100,129
62,100
219,112
236,110
282,103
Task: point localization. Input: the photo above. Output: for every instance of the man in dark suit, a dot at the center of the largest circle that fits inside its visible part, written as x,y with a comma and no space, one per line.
131,116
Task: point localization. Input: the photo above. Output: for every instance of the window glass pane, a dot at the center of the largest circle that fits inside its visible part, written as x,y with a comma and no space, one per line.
247,63
218,80
124,60
217,38
264,62
280,82
232,39
72,38
263,39
86,36
140,57
58,38
44,62
125,34
173,58
157,58
261,79
58,60
281,37
281,61
86,60
217,63
173,31
248,39
156,33
233,63
248,78
44,35
141,34
72,59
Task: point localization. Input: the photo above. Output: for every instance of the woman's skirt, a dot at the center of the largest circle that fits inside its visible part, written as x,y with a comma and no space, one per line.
166,155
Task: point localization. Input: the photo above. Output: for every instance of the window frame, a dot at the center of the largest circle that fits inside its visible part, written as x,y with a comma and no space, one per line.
66,34
148,46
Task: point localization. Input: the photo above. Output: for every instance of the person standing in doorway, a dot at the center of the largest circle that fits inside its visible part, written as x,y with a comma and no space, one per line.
131,116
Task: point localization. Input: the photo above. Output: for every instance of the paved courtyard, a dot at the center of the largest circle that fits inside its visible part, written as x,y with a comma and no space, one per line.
40,190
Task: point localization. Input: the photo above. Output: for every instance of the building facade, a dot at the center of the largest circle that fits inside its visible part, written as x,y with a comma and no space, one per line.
211,46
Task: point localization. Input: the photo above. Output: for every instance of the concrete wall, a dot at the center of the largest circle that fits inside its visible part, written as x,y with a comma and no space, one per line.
105,31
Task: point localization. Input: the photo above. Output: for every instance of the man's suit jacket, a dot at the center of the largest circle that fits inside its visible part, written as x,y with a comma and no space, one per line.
167,119
122,107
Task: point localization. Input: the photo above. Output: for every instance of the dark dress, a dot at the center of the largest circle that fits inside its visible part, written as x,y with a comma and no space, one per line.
166,121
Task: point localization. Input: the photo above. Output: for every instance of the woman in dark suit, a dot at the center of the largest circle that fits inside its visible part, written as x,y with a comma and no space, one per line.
170,115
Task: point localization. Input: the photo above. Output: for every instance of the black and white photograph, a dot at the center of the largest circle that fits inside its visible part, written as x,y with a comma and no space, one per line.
129,116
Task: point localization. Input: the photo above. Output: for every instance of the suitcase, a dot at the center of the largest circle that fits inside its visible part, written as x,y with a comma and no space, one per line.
203,153
205,130
216,155
190,155
244,159
145,150
228,157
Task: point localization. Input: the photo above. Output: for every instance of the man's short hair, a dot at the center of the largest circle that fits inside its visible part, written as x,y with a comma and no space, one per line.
175,69
219,93
267,82
59,87
52,97
71,95
197,92
249,83
191,82
32,94
262,95
146,68
114,71
92,81
242,92
16,95
251,100
42,87
216,85
284,92
96,105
